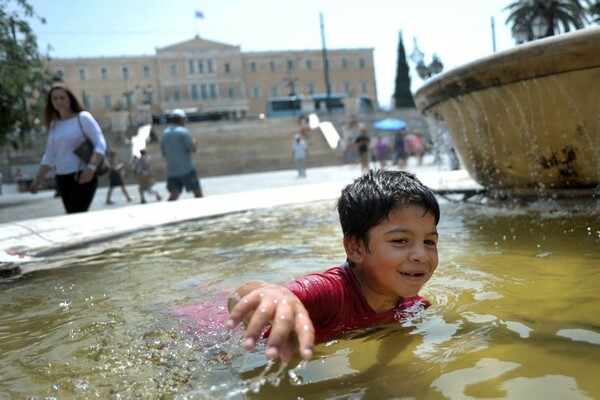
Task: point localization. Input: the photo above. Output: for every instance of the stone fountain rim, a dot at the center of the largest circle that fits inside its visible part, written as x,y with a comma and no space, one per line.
556,54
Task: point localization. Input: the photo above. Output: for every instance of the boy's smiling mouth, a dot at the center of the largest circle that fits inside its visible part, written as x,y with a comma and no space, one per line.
415,274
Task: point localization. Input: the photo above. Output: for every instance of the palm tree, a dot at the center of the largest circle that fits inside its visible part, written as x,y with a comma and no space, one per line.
595,11
554,16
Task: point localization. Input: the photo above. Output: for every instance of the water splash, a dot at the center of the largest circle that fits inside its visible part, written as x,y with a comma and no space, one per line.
239,389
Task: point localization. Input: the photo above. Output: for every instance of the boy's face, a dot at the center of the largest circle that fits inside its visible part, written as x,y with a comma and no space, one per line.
401,257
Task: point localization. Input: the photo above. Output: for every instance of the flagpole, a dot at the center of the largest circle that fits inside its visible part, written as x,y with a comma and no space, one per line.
325,65
198,15
493,35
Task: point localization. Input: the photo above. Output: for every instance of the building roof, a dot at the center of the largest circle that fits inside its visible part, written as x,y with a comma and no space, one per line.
195,44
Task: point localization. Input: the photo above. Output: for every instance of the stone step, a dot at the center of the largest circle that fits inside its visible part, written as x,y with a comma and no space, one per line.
264,145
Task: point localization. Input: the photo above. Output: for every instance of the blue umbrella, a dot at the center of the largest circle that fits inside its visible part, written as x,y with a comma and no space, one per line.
390,124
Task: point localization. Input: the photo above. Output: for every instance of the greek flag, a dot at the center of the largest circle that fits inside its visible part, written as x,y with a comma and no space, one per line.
199,14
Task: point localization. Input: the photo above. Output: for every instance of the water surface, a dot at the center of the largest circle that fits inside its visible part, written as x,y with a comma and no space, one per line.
515,313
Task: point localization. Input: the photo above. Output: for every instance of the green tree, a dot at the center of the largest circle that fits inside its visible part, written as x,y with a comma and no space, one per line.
23,80
560,16
402,94
595,12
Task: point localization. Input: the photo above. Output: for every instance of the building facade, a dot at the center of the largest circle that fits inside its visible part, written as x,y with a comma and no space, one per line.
211,79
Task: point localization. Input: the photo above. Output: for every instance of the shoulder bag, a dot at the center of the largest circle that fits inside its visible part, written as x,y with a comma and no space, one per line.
85,150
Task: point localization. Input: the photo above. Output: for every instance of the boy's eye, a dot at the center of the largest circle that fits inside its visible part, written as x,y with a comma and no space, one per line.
400,240
431,242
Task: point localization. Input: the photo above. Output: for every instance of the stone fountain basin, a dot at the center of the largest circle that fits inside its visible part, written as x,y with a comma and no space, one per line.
526,120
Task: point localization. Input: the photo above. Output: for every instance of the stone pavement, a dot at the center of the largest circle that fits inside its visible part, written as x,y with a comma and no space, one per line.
36,224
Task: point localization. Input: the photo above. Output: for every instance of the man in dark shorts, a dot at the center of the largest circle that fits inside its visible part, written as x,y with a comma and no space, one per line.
178,147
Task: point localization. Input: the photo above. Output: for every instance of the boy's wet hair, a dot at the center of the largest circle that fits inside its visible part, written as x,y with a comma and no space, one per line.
371,198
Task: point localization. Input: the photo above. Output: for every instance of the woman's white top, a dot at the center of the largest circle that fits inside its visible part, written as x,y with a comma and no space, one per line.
65,136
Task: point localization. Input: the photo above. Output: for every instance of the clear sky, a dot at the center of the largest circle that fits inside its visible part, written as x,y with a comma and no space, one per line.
458,31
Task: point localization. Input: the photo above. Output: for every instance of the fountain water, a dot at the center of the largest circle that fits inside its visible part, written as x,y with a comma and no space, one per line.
514,314
526,121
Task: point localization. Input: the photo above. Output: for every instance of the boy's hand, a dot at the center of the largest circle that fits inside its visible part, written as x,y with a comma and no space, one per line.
274,305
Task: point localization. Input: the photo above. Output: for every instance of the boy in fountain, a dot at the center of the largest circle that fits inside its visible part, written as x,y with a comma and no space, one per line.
389,221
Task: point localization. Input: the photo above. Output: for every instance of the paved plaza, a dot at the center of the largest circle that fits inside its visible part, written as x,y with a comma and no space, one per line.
36,224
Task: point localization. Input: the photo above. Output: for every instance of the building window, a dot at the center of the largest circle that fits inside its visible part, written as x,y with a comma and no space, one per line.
128,99
274,91
86,100
195,92
255,92
231,93
290,65
107,100
203,91
253,66
364,87
227,67
173,69
103,74
177,96
125,72
362,62
272,66
308,64
348,87
192,67
344,62
149,94
147,71
210,66
311,88
82,74
200,66
214,91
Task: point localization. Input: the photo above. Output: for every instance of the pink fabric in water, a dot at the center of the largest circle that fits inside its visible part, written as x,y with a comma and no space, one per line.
205,316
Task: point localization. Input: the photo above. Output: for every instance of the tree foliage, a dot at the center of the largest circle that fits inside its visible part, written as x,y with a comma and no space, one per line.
23,80
561,15
595,12
402,94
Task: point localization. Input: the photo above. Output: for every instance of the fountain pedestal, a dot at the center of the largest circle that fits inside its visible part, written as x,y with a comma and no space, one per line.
526,121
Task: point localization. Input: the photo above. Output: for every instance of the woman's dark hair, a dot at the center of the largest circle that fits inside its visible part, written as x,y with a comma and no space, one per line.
370,199
50,112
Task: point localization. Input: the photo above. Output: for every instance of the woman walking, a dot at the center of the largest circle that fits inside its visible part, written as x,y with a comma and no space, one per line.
68,126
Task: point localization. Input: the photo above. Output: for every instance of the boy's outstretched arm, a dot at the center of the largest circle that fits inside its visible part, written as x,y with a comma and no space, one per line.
260,304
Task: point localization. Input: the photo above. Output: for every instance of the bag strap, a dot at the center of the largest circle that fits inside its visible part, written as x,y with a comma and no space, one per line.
81,127
84,135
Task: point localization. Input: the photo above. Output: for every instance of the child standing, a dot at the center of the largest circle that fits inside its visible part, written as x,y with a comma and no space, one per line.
145,176
115,177
389,222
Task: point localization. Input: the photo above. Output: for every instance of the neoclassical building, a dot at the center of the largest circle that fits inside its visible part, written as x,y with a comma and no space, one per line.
211,79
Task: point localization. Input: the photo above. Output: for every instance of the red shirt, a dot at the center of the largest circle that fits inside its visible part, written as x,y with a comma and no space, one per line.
333,299
336,304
